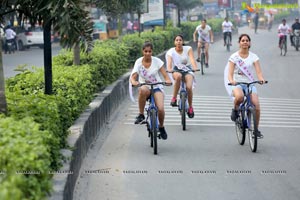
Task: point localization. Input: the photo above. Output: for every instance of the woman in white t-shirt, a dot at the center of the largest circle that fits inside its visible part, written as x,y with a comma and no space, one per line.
147,69
205,35
241,67
182,57
283,31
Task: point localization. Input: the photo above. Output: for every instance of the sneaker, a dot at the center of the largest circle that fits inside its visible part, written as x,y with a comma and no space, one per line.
206,65
259,135
190,112
173,102
139,119
163,133
198,60
234,115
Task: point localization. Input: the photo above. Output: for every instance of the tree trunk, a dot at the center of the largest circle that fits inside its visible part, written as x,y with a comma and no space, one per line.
3,104
47,58
76,51
178,15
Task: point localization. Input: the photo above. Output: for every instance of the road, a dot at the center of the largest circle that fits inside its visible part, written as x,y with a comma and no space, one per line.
205,161
30,57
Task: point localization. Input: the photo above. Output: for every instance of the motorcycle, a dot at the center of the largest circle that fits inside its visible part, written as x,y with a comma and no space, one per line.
296,39
10,46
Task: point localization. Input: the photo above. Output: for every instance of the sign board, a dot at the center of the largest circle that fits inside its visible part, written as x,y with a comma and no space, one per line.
155,16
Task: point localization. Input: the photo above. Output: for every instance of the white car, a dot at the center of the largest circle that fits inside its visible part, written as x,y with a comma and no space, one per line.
33,36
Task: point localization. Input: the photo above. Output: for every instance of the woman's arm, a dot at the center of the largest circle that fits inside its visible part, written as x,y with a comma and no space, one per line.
192,59
230,72
258,71
133,79
165,75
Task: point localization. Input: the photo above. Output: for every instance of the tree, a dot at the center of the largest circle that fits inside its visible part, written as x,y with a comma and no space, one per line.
184,5
67,17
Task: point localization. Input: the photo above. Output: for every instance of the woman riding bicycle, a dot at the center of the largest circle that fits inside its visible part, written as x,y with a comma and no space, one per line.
147,69
205,36
241,66
182,57
283,31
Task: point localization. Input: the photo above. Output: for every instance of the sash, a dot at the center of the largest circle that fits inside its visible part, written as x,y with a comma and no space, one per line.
179,65
147,77
242,66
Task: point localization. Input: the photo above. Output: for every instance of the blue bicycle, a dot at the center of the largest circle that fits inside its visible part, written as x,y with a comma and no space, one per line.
247,118
183,100
151,120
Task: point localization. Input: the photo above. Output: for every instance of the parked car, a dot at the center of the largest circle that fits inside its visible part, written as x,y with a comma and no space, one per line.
33,36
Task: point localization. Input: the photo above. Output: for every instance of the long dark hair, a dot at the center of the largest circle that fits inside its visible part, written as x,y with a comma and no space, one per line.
147,44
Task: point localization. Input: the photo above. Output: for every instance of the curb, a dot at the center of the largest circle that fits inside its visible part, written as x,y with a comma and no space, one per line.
83,132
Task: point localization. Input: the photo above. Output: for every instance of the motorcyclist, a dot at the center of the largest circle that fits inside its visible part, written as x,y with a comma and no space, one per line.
295,26
10,37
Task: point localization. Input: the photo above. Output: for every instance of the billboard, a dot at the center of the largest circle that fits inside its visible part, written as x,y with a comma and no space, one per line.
155,15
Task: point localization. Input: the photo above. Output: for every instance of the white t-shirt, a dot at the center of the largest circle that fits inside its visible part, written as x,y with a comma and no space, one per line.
180,60
10,34
150,74
203,34
284,29
227,26
247,67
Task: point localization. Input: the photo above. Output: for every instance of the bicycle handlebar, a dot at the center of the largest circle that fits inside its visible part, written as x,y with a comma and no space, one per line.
182,71
157,83
248,84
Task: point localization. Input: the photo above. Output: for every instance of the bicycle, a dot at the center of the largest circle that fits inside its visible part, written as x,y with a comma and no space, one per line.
183,101
246,119
283,45
227,41
151,120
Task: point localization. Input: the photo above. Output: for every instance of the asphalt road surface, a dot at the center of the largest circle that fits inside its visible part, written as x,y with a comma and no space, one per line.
205,161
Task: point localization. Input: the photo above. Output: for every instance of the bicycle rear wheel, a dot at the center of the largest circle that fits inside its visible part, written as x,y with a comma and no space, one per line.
240,128
154,126
202,62
252,128
183,110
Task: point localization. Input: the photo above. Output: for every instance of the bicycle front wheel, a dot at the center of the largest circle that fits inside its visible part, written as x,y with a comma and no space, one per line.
240,128
202,62
154,130
284,47
228,43
252,128
183,110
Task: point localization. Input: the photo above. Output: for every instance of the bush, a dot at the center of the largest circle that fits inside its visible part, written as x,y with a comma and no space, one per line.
26,168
